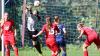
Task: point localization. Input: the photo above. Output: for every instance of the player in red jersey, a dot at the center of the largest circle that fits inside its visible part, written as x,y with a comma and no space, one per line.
9,33
50,31
91,35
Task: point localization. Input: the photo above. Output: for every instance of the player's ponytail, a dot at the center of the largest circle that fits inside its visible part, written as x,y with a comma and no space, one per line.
48,19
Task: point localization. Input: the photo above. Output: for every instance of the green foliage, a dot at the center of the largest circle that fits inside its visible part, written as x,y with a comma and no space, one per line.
89,21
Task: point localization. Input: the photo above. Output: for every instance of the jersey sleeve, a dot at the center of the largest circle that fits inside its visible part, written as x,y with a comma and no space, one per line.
63,28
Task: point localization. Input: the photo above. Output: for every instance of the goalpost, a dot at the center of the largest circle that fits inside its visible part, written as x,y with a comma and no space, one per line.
2,11
3,3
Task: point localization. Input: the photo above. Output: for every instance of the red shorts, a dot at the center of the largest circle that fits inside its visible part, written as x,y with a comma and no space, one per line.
52,45
91,39
9,39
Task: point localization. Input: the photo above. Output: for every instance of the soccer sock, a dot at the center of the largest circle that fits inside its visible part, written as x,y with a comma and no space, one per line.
64,53
38,47
85,53
7,52
16,51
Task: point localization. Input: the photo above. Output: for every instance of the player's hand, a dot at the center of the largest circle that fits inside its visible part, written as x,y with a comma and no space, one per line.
33,35
78,38
77,41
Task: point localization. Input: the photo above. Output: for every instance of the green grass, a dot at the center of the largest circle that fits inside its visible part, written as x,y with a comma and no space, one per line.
72,50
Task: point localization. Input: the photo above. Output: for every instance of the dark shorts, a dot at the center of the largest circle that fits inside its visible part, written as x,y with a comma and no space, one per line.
36,40
30,33
61,42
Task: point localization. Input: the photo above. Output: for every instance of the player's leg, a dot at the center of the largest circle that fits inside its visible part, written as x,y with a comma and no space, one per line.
13,44
88,41
36,42
37,45
54,53
15,50
55,50
97,42
58,43
85,51
64,51
63,47
52,45
6,44
7,50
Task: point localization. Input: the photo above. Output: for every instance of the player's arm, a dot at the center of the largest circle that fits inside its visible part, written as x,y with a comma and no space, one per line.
64,30
1,22
43,29
81,33
38,17
15,31
14,28
1,25
1,32
38,34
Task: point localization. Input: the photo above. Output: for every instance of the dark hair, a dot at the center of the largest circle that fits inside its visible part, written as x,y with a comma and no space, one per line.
56,18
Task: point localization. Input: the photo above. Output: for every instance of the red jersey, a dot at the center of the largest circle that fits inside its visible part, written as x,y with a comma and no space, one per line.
51,32
88,31
7,27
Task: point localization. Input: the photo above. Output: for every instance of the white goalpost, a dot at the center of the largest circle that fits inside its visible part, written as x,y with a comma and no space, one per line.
2,11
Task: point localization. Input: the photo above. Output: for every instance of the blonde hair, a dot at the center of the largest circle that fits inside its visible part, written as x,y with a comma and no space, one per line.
80,24
49,22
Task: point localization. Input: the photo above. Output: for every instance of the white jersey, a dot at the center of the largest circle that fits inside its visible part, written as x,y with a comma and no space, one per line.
30,24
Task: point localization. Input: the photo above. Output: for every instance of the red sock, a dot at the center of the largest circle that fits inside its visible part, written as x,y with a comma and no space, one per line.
16,51
7,52
85,53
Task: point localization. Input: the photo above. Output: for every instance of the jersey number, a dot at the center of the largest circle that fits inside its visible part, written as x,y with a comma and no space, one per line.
51,31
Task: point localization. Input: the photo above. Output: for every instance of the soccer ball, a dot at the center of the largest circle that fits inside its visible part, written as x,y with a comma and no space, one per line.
36,3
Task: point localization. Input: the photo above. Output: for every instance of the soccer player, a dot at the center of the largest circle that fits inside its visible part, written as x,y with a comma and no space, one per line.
60,36
33,19
50,31
9,34
91,35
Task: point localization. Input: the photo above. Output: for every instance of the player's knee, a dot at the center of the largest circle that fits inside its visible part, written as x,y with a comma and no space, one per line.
7,49
84,48
98,48
64,49
13,46
34,44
